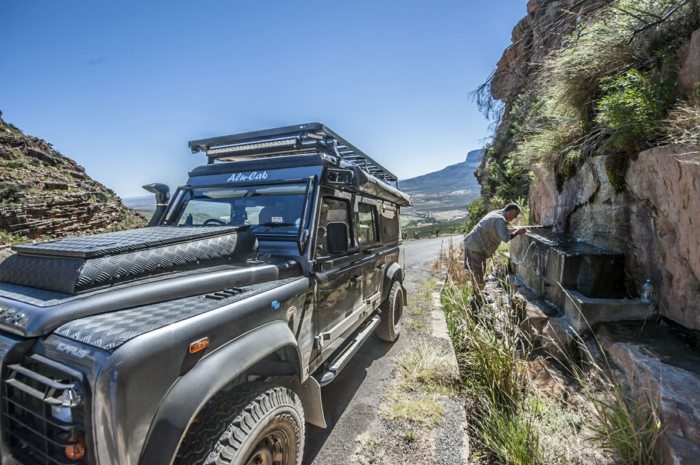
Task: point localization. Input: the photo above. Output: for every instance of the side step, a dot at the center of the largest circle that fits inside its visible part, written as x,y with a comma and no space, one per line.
339,363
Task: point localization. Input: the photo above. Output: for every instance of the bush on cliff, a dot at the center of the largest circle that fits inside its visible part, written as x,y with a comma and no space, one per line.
607,90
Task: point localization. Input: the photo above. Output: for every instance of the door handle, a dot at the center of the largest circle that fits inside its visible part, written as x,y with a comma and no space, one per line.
356,277
381,266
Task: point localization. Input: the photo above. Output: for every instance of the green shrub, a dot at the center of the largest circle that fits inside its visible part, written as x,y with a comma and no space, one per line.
632,107
475,211
589,97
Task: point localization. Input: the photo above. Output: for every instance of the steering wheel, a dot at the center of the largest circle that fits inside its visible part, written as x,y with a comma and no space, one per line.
217,221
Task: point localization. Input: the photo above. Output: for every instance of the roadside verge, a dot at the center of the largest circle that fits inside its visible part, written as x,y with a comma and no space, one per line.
421,414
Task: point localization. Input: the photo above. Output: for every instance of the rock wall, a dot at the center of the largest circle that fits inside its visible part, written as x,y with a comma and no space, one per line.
543,29
664,216
44,194
654,217
654,221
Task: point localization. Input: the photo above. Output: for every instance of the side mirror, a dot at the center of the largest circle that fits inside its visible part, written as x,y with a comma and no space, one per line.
337,238
162,193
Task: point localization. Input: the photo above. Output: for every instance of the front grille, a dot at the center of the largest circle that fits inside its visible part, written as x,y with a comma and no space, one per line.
39,420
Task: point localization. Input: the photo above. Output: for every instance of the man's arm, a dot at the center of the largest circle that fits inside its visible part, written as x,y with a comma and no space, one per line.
517,231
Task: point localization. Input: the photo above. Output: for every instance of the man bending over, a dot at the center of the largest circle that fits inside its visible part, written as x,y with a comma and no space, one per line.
484,239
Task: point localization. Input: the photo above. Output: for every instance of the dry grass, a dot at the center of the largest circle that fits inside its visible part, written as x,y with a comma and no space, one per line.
424,409
420,306
682,126
627,418
425,375
425,368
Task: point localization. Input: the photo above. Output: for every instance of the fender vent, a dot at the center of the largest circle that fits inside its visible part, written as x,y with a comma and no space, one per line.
42,411
225,294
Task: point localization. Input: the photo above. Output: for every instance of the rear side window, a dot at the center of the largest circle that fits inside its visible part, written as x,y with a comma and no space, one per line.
366,228
389,224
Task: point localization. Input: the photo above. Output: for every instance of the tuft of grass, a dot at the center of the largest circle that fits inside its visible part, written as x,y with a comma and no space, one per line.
9,238
682,125
424,376
423,409
420,306
421,302
425,368
510,437
410,436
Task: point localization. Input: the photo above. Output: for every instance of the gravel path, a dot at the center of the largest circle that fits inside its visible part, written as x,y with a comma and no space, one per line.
352,401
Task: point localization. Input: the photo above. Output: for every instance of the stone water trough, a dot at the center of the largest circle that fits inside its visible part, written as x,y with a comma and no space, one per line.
584,282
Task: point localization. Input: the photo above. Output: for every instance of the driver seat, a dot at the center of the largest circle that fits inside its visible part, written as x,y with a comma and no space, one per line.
267,213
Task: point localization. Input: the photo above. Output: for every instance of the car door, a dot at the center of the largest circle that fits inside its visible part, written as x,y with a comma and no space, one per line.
338,276
373,264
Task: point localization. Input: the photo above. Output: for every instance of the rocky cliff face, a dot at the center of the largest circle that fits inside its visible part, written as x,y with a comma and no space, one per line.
44,194
544,28
650,210
652,221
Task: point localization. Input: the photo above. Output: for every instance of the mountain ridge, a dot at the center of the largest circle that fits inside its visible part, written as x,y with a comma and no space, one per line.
444,192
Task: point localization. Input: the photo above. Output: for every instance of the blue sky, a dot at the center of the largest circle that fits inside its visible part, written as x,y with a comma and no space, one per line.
121,86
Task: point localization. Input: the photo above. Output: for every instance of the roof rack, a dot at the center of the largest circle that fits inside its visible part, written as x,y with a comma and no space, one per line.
301,138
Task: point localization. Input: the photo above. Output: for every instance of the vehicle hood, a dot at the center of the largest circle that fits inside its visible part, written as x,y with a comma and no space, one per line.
83,264
43,286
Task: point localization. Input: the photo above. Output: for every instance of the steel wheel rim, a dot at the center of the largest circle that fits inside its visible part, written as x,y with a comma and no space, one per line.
272,449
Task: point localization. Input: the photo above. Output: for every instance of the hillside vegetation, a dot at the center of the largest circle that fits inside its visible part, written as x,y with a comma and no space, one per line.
611,87
44,194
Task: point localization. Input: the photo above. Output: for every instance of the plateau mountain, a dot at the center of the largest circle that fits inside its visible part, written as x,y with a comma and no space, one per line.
444,193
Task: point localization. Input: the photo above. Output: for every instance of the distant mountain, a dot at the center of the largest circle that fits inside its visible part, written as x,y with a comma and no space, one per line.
446,192
442,193
144,204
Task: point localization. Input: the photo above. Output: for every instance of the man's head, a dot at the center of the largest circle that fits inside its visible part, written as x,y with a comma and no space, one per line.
511,212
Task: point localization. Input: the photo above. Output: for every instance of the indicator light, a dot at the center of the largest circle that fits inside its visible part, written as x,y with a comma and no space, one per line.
76,451
199,345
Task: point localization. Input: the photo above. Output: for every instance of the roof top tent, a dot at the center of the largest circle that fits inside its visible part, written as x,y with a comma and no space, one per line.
303,139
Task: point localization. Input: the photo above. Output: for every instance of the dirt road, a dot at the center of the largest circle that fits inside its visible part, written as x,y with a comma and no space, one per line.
351,401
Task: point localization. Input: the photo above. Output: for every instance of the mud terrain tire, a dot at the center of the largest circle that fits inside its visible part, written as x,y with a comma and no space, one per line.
390,317
259,427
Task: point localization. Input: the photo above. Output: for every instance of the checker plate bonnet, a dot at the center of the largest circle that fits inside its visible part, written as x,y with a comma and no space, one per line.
77,265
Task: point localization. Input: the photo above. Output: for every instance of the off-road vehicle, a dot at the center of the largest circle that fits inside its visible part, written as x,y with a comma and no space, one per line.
205,337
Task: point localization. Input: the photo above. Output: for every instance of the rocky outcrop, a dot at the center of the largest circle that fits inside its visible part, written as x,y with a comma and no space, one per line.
544,29
653,221
44,194
689,74
665,376
663,184
646,213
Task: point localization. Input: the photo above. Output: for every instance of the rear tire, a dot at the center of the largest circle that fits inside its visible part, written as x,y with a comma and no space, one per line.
391,311
258,427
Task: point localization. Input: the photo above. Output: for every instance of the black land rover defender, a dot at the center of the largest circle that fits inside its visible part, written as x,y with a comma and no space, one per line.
204,338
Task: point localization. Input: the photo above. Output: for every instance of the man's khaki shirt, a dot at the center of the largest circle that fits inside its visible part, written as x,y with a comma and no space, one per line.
488,234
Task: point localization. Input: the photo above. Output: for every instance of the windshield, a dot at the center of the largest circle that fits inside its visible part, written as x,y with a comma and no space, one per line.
269,209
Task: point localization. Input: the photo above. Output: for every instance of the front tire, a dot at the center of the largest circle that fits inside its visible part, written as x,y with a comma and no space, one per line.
391,311
262,427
